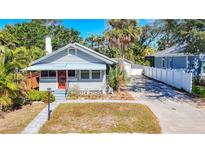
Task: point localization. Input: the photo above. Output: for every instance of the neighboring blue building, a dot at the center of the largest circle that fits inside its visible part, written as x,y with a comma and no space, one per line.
176,58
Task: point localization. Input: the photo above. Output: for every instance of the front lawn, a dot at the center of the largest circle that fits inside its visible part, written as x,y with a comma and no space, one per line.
15,121
102,118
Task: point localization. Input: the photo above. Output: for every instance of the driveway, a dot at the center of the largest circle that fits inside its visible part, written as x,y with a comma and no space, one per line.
177,112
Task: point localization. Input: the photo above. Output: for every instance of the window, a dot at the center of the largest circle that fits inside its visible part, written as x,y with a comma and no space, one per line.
71,73
52,73
44,74
47,74
84,74
72,51
170,63
95,74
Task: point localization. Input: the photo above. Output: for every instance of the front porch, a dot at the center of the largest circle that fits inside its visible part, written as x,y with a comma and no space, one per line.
61,77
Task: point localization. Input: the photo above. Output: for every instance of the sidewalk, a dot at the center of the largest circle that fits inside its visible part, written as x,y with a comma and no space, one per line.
34,126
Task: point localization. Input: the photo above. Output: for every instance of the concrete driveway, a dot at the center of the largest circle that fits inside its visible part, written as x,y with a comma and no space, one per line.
177,112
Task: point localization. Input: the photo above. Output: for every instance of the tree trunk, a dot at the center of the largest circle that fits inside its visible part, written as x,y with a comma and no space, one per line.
122,59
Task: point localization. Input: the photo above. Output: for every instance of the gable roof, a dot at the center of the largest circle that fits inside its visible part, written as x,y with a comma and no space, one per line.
128,61
124,59
176,50
82,48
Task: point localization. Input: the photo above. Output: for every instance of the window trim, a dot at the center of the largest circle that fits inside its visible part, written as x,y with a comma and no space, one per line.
49,74
75,50
45,76
92,75
74,73
89,75
48,77
71,78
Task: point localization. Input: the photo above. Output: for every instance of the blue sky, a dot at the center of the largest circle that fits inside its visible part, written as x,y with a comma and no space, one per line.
85,26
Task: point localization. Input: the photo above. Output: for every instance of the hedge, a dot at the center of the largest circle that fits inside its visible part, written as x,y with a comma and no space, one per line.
35,95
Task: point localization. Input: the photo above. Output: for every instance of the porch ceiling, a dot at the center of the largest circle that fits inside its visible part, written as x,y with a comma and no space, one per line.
72,66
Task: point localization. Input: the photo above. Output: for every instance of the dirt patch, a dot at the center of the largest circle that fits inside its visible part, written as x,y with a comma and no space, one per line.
15,121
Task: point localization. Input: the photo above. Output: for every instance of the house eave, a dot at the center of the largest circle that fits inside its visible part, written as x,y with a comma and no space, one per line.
67,66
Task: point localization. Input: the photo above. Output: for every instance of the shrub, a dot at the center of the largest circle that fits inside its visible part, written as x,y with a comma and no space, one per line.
116,77
44,97
74,91
199,91
5,103
18,103
199,80
147,63
35,95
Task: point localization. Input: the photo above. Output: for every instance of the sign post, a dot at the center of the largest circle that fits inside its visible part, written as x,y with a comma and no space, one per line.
49,110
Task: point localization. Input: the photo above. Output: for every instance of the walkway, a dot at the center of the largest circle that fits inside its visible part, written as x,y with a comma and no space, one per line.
34,126
176,111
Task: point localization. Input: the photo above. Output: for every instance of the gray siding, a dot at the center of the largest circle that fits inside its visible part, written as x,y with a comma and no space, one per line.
90,84
47,83
65,57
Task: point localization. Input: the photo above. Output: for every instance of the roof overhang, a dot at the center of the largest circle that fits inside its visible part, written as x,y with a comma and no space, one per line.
72,66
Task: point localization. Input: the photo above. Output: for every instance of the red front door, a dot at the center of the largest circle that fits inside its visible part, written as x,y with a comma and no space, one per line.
62,79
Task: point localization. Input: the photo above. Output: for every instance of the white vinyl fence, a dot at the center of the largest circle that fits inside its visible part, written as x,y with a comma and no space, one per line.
136,71
175,78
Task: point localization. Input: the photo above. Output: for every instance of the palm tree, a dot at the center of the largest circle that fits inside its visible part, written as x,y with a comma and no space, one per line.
10,60
7,88
121,33
14,59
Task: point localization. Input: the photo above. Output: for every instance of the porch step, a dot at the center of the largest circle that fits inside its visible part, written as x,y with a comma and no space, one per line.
60,94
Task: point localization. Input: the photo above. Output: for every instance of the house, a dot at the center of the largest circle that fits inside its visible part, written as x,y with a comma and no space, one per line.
131,68
175,57
127,66
73,64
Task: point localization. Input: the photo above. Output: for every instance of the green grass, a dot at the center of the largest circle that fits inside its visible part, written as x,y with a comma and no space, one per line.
199,91
102,118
